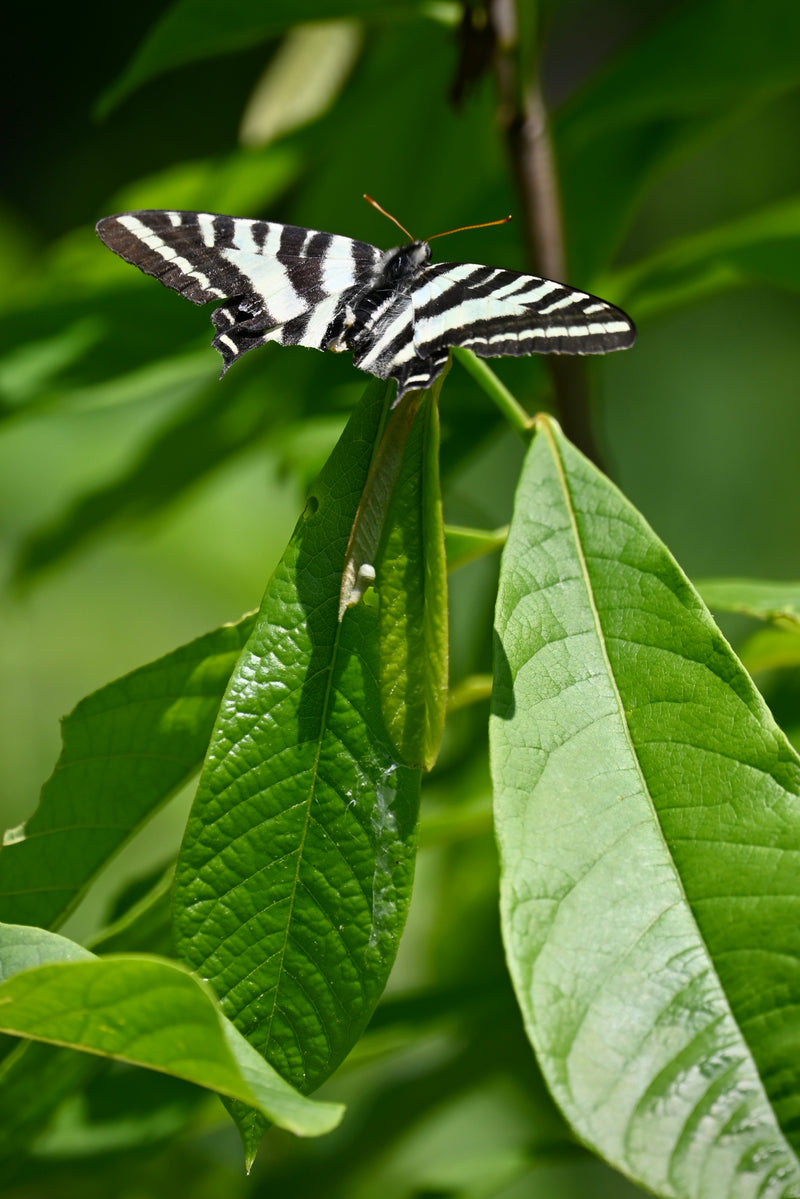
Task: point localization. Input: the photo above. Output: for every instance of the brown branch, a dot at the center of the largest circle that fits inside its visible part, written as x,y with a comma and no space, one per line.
524,119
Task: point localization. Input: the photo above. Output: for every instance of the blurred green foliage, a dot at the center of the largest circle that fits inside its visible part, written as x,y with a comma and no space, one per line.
143,503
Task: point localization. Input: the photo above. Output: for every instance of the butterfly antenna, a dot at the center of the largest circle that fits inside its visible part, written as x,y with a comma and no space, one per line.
462,228
393,219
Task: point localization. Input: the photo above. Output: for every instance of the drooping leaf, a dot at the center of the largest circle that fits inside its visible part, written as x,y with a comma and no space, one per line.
36,1078
295,872
778,601
763,247
648,816
373,504
412,597
147,1011
126,749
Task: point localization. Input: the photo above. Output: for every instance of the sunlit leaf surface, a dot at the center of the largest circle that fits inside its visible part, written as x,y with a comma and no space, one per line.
147,1011
648,817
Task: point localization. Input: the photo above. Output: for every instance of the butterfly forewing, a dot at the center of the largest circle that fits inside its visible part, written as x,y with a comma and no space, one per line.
285,282
395,312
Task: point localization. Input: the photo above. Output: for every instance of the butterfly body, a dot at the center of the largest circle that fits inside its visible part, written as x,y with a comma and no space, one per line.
398,314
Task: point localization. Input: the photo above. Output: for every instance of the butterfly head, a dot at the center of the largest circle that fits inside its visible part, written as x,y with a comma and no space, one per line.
404,262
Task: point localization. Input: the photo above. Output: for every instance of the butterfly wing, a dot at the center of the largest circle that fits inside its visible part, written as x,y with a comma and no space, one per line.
386,345
496,312
283,283
491,311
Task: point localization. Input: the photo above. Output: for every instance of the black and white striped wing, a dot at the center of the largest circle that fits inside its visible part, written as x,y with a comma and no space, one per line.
283,283
497,312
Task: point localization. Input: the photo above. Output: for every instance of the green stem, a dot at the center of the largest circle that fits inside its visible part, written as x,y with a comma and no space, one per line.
497,391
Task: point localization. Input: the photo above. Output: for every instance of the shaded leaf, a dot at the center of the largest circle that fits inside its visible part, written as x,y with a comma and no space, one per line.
771,649
670,88
649,827
295,872
145,926
126,749
779,602
763,247
148,1012
194,29
373,504
35,1079
214,427
464,545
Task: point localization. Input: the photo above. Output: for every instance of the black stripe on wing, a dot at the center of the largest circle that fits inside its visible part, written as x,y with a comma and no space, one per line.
171,247
498,312
283,282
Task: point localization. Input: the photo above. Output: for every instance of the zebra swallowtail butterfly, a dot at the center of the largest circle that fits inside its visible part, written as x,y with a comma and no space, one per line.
396,312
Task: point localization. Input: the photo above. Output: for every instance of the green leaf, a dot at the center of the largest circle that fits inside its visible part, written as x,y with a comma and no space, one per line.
198,440
779,602
302,80
295,872
464,545
412,597
771,649
25,948
145,926
35,1079
126,749
762,247
149,1012
239,182
194,29
373,504
649,828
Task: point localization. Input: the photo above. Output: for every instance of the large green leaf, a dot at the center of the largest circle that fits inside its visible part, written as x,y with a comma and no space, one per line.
193,29
146,1011
649,827
126,749
296,868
